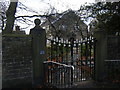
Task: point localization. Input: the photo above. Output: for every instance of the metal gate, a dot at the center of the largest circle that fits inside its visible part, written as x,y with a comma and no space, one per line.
69,61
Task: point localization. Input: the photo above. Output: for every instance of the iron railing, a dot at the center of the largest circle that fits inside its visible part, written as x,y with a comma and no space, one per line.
57,74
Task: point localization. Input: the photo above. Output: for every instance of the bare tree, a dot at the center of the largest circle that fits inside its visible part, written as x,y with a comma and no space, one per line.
10,15
26,19
3,8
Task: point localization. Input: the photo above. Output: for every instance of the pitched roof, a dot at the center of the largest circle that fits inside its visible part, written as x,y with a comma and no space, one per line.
67,23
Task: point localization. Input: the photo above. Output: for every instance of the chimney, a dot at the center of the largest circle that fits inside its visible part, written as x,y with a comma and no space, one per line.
17,28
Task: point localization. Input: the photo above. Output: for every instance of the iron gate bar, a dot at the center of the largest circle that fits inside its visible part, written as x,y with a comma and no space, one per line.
81,61
52,43
90,47
94,46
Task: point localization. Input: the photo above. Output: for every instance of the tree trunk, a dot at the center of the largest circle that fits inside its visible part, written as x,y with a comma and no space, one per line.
10,14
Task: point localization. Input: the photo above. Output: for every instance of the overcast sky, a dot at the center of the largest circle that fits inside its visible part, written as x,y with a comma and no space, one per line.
42,6
60,5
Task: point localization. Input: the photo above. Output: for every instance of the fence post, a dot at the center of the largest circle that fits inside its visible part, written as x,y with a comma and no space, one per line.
38,52
100,54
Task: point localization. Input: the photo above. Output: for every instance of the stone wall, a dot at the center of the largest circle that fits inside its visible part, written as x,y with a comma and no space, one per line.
113,48
112,63
16,61
107,56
